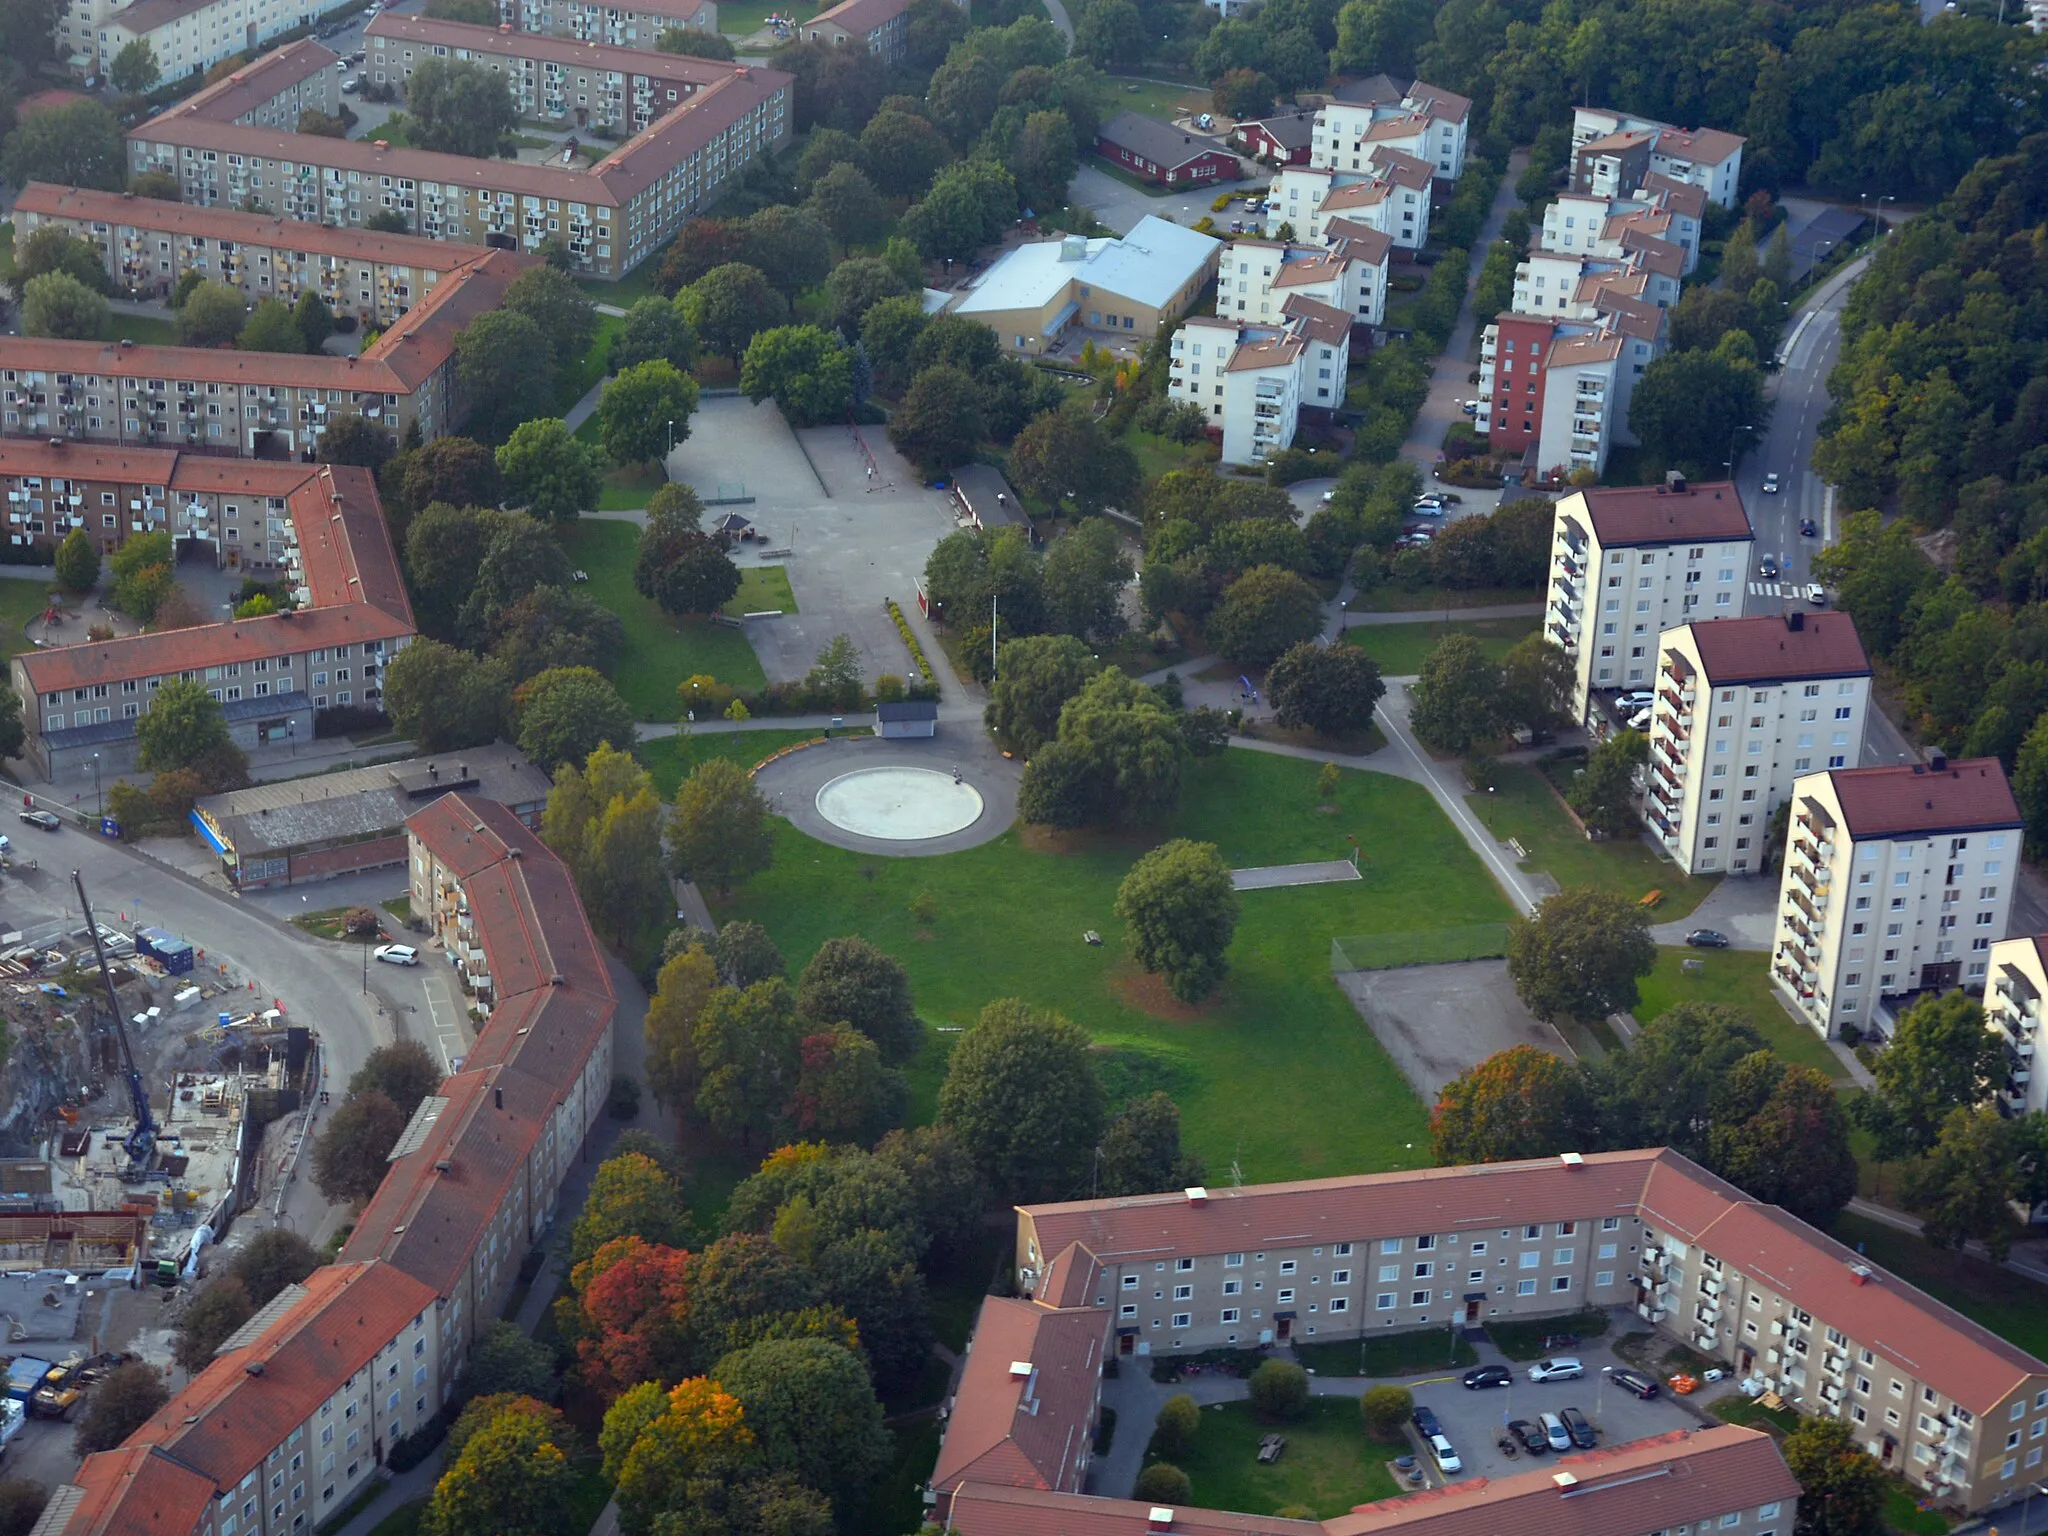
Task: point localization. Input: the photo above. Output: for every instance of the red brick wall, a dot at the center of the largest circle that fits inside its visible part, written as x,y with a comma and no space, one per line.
348,858
1531,340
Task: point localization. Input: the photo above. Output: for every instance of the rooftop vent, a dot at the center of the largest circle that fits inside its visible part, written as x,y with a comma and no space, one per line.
1019,1369
254,1367
1565,1481
1571,1159
1158,1518
1197,1195
1674,481
1795,620
1074,248
1860,1274
1939,762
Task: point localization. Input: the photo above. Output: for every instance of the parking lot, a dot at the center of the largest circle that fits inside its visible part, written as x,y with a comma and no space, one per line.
1475,1420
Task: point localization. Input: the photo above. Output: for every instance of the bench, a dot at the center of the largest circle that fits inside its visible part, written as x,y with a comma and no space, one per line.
1652,899
1270,1449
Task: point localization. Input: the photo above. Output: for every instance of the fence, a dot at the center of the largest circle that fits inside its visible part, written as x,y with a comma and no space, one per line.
1425,946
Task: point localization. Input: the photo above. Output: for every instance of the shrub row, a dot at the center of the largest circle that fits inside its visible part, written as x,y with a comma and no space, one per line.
910,641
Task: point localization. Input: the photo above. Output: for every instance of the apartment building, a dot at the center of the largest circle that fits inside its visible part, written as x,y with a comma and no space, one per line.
1130,285
2012,1011
1255,279
275,90
1575,284
1391,195
1661,209
1613,153
271,674
611,216
1897,880
187,36
1704,1479
582,84
633,24
1745,706
1935,1397
880,27
253,404
1426,122
1650,556
302,1407
1257,380
1554,393
146,245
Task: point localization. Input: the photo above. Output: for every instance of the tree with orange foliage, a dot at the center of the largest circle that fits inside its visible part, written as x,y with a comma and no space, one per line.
512,1479
1517,1103
658,1445
635,1323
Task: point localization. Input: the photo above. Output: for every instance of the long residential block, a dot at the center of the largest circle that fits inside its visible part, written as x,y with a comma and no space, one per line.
1614,153
629,24
186,36
1897,880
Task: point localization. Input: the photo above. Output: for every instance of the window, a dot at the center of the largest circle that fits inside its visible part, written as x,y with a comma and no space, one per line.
1385,1301
1562,1256
1389,1272
1424,1271
1342,1250
1130,1282
1604,1277
1233,1261
1418,1298
1340,1304
1182,1319
1286,1295
1232,1287
1390,1245
1183,1293
1128,1309
1287,1266
1561,1282
1525,1287
1530,1260
1229,1314
1183,1265
1340,1277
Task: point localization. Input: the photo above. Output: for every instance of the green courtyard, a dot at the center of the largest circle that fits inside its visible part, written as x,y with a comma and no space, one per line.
1400,648
1740,979
1327,1465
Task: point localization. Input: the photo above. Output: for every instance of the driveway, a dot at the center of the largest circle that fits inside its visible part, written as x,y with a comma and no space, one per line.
1121,205
1439,1021
1743,907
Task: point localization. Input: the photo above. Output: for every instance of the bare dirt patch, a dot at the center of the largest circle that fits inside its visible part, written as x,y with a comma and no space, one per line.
1149,994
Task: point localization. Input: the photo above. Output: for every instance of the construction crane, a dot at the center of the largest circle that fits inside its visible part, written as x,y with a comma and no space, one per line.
141,1142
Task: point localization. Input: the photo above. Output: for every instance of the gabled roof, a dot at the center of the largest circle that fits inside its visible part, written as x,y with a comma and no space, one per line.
1025,1396
1161,143
1403,169
1920,799
1290,130
1318,321
1440,103
861,17
1659,514
134,1490
1372,91
1359,242
1779,648
396,27
984,1509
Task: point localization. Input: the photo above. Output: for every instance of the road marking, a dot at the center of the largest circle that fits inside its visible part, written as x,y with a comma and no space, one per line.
1766,589
448,1038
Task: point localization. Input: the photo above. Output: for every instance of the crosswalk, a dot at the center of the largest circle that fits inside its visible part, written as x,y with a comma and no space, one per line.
1767,589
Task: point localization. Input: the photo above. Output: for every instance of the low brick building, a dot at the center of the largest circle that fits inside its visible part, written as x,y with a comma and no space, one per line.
1160,153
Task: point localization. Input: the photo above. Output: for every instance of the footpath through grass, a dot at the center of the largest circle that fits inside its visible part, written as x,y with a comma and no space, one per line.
1400,648
1741,979
1277,1072
1328,1465
661,651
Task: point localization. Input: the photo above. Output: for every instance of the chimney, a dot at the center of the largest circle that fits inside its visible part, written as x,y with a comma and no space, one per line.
1674,481
1795,620
1197,1195
1571,1159
1859,1274
1158,1518
254,1367
1939,762
1565,1481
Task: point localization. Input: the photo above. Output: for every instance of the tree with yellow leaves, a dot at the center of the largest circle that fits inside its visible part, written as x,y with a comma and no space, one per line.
659,1445
512,1479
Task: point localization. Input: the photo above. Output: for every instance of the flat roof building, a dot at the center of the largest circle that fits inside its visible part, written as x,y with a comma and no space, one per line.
1131,285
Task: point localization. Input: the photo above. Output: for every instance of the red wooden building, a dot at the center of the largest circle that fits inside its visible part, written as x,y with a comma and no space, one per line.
1157,152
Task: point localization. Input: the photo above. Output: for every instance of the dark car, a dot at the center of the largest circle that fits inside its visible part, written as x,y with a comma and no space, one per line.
1426,1422
1643,1385
1532,1438
44,819
1767,568
1487,1376
1576,1425
1707,938
1808,528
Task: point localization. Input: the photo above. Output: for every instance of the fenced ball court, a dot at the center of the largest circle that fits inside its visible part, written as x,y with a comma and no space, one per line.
1422,946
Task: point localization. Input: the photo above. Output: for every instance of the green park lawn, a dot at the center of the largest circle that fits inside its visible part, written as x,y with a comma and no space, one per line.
585,370
1328,1465
670,759
742,18
1152,98
1400,648
661,651
1388,598
627,488
21,600
1741,979
1521,806
6,250
763,589
1279,1033
143,330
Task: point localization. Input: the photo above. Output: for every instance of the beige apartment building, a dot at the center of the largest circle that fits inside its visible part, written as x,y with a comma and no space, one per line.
275,90
1897,880
583,84
186,36
147,245
1425,121
1256,278
1744,706
632,24
1950,1406
880,27
1628,563
2012,1011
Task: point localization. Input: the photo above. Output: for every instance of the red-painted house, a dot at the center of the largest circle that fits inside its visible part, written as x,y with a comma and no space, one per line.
1157,152
1283,140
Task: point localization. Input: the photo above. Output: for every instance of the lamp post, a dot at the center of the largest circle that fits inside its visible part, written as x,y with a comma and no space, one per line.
99,796
671,440
1600,1394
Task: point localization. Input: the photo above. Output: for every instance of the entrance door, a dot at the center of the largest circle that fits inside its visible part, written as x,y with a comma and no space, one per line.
1126,1342
1285,1327
1472,1311
1941,975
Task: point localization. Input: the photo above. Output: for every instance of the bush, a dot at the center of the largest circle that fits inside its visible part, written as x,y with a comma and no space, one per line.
1180,1418
1163,1483
624,1100
361,922
1385,1411
1279,1391
408,1451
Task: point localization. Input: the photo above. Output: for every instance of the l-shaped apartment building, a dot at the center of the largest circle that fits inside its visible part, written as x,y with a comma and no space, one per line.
300,1409
1957,1411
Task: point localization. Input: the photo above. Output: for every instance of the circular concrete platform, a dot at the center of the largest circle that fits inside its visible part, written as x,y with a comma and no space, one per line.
899,804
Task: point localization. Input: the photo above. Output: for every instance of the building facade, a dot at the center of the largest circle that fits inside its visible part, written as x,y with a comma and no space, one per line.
1661,209
2012,1011
1131,285
1253,382
1426,122
1162,154
1281,140
1392,195
1255,279
187,36
880,27
1897,880
1630,562
635,24
1613,153
1745,706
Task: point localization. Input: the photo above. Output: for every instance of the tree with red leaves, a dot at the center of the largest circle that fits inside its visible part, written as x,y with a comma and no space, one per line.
843,1092
635,1323
1517,1103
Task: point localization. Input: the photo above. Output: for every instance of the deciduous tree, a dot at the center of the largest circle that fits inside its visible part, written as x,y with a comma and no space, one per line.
1180,909
1518,1103
507,371
1021,1094
1454,705
1066,459
843,1091
458,108
720,834
683,986
121,1404
212,1315
808,371
1329,689
404,1072
654,330
1035,677
939,424
850,981
511,1479
350,1157
77,144
746,1048
1084,579
1385,1410
457,470
78,562
1842,1488
1963,1187
662,1447
645,410
1604,792
729,305
630,1196
444,698
504,1359
47,248
58,305
1141,1152
1941,1058
1581,954
1278,1391
848,204
813,1413
1781,1133
182,725
567,713
745,955
271,327
1535,684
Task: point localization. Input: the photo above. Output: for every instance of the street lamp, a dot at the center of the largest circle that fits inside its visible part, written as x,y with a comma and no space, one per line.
1600,1393
99,797
671,439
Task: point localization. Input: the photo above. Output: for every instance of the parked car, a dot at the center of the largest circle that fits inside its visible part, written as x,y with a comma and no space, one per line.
1640,721
1559,1437
1329,496
1707,938
1635,699
1557,1368
1771,483
1470,407
1641,1383
1487,1376
397,954
47,820
1808,528
1426,1422
1576,1425
351,85
1431,499
1816,594
1534,1441
1446,1457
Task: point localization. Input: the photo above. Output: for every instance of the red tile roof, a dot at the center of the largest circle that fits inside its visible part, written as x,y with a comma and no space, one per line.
345,543
136,1490
980,1509
860,17
1654,514
64,459
1319,321
1769,648
1959,797
248,87
1025,1427
503,42
1448,105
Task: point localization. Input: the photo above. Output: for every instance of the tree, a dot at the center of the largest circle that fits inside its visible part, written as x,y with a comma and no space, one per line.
76,145
1454,705
1385,1410
644,410
720,833
1604,792
458,108
857,285
654,331
1111,34
1580,955
729,305
350,1156
404,1072
48,249
506,370
273,1259
503,1359
314,320
474,13
1161,1482
939,424
1535,684
271,327
58,305
1941,1058
1181,910
1782,1134
1519,1103
1034,679
1140,1152
682,987
511,1479
567,713
630,1196
813,1413
631,1314
1084,578
21,1503
1243,93
121,1404
1065,458
1021,1094
78,562
210,1318
1278,1390
792,249
621,877
745,955
1329,689
548,472
387,221
1118,756
1263,612
847,204
444,698
13,737
519,554
694,43
211,316
808,371
1842,1489
850,981
1179,1421
843,1091
349,438
889,335
1687,407
182,725
901,152
663,1447
456,470
566,315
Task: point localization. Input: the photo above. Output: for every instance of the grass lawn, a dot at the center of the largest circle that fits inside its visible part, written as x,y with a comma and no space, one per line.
763,589
670,759
1157,455
627,489
583,372
1410,1352
143,330
661,651
403,1521
1741,979
2010,1305
327,924
743,18
1152,98
1328,1465
1386,598
629,290
1904,1513
1013,912
1399,648
20,601
1737,1409
6,250
1116,172
1524,1341
1522,806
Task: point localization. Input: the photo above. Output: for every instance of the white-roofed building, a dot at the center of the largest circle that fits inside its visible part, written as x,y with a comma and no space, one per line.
1133,285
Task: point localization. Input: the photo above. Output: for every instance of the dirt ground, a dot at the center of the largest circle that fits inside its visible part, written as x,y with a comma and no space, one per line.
1437,1021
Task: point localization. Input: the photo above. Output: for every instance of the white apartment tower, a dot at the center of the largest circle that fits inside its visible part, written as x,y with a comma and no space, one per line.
2012,1011
1896,880
1743,707
1628,563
